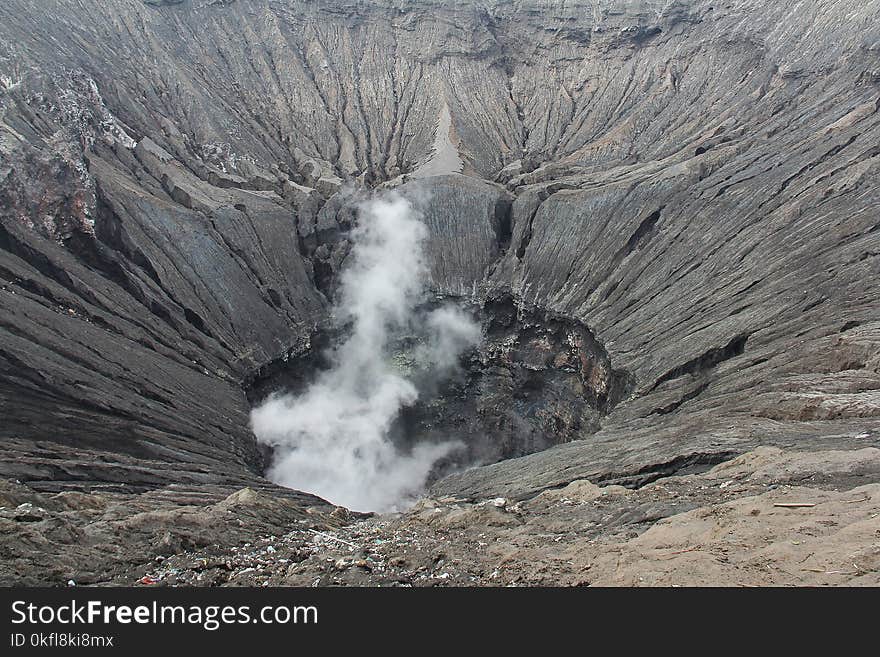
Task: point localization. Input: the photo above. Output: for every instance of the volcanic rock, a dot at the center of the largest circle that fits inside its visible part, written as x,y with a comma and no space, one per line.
692,184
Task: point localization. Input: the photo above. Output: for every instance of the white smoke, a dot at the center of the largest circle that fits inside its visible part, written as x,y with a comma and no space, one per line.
333,439
450,331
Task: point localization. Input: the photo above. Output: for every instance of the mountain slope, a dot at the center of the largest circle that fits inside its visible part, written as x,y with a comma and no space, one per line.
694,182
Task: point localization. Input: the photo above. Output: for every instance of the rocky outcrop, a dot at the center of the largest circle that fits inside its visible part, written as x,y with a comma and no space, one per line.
696,183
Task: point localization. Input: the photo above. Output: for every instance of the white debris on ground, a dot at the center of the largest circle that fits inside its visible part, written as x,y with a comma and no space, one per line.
743,522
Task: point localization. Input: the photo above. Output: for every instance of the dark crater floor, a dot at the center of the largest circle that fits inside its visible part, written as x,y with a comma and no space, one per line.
537,379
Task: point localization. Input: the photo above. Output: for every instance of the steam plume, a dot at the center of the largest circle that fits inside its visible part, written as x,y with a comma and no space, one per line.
333,439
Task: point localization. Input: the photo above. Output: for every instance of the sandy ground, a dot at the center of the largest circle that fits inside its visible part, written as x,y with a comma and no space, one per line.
767,517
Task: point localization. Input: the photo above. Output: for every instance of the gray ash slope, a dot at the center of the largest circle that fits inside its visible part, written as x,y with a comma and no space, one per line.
695,182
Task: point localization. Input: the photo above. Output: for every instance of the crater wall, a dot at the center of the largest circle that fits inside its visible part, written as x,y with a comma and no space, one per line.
696,182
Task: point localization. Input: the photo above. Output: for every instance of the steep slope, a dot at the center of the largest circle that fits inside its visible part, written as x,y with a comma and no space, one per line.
694,183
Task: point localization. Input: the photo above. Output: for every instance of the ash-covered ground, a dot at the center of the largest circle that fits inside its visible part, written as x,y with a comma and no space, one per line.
770,516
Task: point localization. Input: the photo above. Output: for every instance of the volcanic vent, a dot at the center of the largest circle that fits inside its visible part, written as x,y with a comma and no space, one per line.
407,387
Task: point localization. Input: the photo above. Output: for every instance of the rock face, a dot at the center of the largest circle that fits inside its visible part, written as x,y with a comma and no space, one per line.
536,380
693,182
